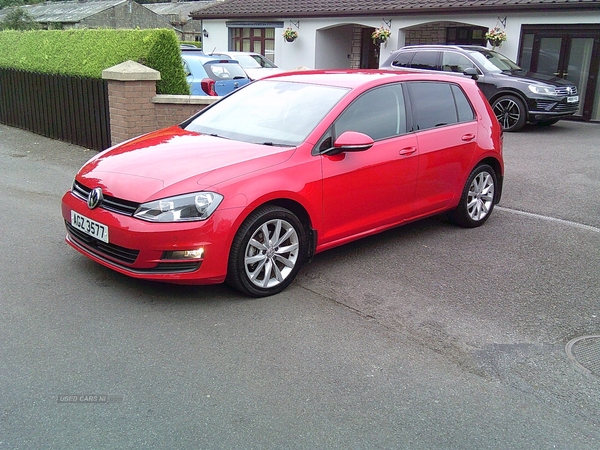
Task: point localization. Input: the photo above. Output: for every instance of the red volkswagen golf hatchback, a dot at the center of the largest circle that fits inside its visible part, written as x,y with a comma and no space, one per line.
284,168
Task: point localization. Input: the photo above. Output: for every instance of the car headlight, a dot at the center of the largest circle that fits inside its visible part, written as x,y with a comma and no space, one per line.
544,90
182,208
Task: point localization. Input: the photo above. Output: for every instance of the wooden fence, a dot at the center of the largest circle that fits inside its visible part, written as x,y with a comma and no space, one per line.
70,109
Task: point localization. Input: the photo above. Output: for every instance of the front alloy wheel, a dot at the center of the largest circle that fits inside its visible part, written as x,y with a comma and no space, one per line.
477,200
267,252
510,112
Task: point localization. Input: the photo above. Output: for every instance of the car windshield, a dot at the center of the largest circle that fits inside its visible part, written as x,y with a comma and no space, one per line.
270,112
247,61
493,61
264,62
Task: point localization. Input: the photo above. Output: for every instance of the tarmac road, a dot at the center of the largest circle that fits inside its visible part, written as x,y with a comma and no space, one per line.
428,336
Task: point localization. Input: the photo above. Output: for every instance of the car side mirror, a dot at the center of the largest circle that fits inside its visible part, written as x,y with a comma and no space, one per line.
471,72
350,141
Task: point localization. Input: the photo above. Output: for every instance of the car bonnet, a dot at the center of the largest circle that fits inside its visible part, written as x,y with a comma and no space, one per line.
174,161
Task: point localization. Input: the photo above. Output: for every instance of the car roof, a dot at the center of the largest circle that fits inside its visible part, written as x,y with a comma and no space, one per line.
198,57
441,47
354,78
218,52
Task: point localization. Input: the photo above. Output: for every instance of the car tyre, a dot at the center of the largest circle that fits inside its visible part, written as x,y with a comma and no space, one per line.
510,112
477,199
267,252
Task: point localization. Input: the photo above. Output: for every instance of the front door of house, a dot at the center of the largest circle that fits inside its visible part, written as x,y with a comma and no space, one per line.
571,53
369,52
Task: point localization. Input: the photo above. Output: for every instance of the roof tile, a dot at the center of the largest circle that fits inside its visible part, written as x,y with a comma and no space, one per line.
222,9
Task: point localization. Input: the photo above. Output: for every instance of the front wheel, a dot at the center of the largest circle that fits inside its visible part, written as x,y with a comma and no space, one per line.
267,252
510,112
477,199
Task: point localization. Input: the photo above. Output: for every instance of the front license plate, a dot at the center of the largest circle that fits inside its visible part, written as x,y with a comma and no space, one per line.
573,99
89,226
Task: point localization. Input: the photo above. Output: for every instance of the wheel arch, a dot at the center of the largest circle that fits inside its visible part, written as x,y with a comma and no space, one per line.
494,164
297,209
514,93
268,277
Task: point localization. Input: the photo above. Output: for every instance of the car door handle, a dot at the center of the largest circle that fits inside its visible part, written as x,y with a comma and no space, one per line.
468,137
407,151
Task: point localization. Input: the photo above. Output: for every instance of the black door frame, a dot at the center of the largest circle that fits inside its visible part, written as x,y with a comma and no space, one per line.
567,33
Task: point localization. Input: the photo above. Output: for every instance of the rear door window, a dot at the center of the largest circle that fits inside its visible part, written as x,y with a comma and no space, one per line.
429,60
463,107
437,104
403,59
186,69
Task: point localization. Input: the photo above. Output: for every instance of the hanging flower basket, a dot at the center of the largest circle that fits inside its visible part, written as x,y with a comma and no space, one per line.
290,35
495,37
380,35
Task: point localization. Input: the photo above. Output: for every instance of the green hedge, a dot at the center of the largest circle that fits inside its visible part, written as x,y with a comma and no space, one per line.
88,52
196,44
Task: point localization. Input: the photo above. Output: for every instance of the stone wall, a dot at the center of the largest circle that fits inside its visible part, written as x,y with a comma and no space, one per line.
128,15
356,47
431,33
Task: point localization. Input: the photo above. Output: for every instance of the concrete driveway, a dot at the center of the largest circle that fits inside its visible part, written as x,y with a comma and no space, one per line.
427,336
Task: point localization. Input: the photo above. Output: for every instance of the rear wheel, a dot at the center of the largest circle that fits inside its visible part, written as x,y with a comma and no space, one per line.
477,199
267,252
510,112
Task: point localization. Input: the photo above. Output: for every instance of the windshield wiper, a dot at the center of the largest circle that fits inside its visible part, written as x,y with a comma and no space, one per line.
216,135
274,144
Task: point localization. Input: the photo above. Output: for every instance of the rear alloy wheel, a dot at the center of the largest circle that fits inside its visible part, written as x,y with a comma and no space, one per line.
477,199
510,112
267,252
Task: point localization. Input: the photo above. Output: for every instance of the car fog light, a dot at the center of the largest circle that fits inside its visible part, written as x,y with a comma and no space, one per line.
185,254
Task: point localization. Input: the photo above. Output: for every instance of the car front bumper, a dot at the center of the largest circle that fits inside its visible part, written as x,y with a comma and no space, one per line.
143,249
545,109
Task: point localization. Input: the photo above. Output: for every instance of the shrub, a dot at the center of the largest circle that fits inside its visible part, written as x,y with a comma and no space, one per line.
82,52
18,19
196,44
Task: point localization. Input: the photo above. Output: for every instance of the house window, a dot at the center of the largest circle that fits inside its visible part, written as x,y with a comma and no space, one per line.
466,35
257,40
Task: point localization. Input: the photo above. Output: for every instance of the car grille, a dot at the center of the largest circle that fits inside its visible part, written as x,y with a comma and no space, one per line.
101,248
566,90
552,106
178,267
109,203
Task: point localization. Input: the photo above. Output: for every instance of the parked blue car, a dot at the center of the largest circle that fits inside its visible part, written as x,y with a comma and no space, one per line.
209,75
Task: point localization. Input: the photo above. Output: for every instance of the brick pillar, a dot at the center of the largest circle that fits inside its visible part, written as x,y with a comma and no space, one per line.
131,87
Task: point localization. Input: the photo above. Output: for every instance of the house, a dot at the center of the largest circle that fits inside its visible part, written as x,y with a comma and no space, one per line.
551,36
178,15
93,14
